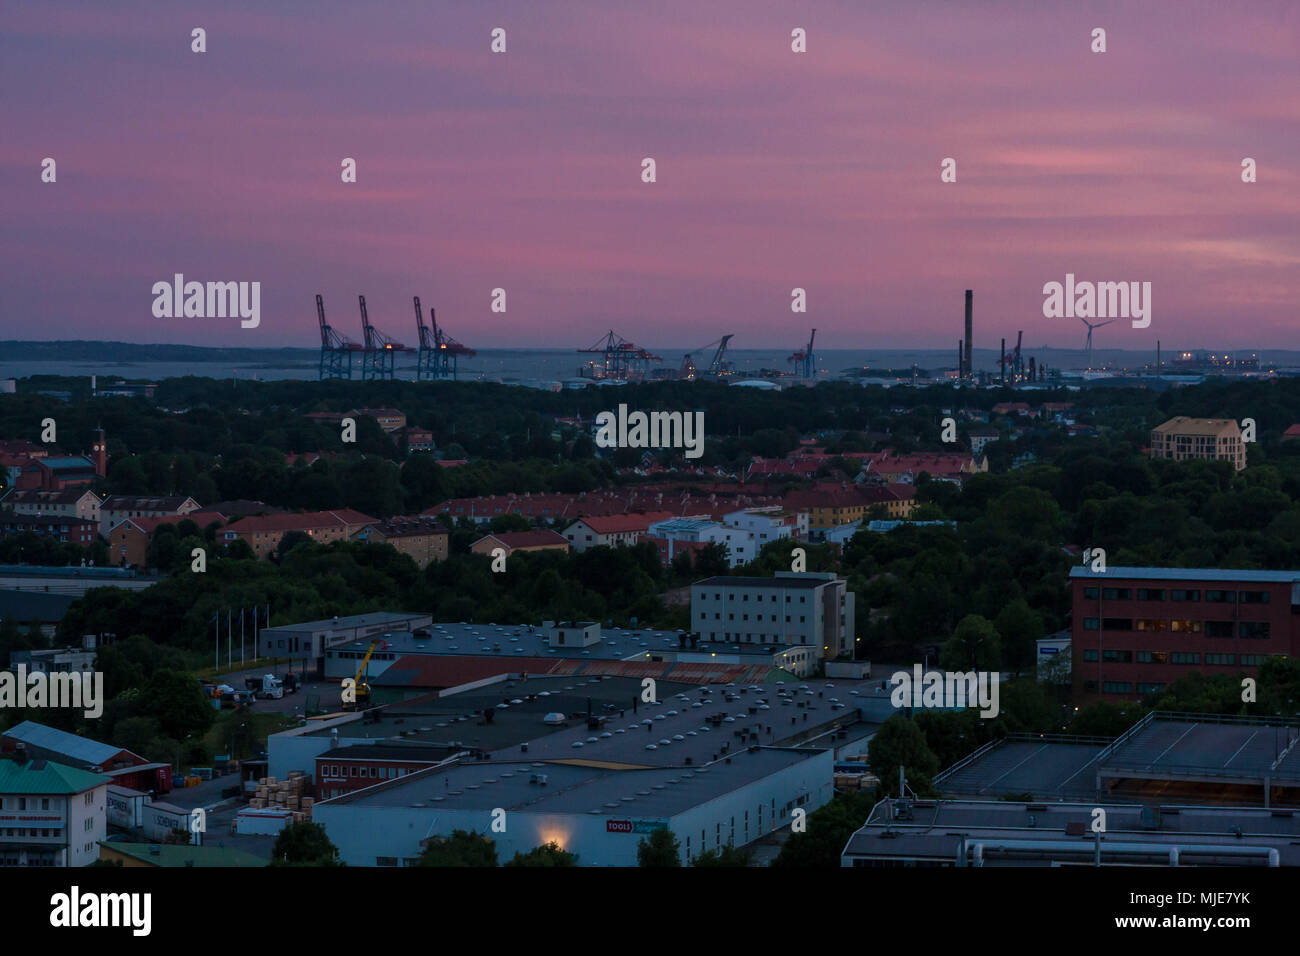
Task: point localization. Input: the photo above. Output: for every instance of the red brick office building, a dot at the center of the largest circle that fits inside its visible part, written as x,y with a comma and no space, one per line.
1136,630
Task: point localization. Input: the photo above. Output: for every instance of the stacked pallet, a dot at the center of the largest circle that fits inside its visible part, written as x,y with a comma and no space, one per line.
272,793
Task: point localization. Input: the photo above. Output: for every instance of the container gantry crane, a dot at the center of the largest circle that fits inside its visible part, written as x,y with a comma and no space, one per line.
804,361
336,350
379,352
621,360
439,352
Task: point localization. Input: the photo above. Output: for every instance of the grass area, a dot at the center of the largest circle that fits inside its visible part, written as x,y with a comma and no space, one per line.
260,663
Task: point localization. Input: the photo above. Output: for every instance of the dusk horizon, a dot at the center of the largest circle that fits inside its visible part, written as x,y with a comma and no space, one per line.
775,170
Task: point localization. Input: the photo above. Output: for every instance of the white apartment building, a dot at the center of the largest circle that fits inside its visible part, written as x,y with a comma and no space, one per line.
812,609
50,814
72,503
117,508
755,527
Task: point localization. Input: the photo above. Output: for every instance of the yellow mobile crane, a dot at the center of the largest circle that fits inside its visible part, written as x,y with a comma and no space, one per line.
360,689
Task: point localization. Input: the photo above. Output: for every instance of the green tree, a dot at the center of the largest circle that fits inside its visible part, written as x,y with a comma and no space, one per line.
303,844
827,831
462,849
178,702
548,854
900,743
1019,627
661,848
974,645
727,856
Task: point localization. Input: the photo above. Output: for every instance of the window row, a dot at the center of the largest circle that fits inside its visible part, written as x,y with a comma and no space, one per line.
1173,657
1253,630
1176,594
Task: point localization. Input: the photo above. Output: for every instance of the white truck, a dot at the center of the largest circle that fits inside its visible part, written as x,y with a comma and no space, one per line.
268,685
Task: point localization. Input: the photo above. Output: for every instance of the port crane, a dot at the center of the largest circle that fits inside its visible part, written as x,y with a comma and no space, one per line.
336,350
380,350
439,352
804,361
718,364
620,359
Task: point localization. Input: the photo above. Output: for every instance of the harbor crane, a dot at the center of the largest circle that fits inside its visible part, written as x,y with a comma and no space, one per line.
380,350
804,361
336,350
439,352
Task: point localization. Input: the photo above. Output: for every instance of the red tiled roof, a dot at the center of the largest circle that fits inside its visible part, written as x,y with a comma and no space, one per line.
616,524
150,525
301,522
528,539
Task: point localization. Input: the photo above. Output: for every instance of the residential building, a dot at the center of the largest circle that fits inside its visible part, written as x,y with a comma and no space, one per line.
538,539
263,533
982,435
812,609
1136,630
417,439
424,539
675,535
832,506
117,508
390,419
130,538
949,466
753,528
611,530
72,503
1207,439
66,530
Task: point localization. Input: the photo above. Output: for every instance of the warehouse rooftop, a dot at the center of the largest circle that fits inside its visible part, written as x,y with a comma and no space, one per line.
555,787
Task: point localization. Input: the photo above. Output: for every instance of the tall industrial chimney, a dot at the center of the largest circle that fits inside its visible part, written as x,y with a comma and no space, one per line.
970,373
1002,364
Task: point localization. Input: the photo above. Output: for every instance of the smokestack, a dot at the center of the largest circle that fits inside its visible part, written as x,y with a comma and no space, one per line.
1157,357
1002,365
970,295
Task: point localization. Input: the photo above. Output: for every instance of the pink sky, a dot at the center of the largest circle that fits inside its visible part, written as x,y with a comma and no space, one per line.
775,169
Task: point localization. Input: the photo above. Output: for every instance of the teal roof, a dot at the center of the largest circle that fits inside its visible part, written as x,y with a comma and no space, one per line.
42,777
68,463
184,854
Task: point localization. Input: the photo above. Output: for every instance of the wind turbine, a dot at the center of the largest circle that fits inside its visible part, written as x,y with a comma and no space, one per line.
1091,326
